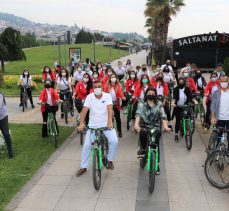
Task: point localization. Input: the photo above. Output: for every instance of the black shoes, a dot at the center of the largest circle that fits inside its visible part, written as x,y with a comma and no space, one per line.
21,104
110,165
33,106
120,134
176,138
62,115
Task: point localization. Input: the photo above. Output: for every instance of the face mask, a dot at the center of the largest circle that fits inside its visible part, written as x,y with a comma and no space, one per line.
160,78
26,73
85,80
181,86
109,73
99,66
214,79
186,75
46,70
165,71
104,68
113,80
79,69
47,86
95,76
224,85
198,74
150,97
88,69
98,91
63,74
145,81
132,76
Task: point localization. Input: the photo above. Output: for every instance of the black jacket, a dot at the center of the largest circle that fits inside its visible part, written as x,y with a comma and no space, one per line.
203,81
187,92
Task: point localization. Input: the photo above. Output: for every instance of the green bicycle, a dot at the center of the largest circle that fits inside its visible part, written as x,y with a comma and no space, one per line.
186,125
151,156
199,109
129,110
51,124
99,154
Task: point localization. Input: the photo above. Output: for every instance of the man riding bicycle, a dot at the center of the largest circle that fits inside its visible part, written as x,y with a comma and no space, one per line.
152,114
100,105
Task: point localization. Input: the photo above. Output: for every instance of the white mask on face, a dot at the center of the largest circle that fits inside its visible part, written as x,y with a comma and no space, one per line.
63,74
85,80
99,66
104,68
113,80
95,76
79,69
109,73
46,70
132,76
214,79
98,91
186,75
26,73
224,85
88,69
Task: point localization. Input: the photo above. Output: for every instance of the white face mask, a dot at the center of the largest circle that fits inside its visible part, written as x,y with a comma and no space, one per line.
99,66
104,68
132,76
63,74
224,85
95,76
113,80
85,80
186,75
26,73
98,91
88,69
214,79
79,69
46,70
109,73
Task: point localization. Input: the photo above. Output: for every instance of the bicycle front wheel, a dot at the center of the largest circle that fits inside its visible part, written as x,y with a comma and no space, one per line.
216,169
96,171
54,133
152,171
188,136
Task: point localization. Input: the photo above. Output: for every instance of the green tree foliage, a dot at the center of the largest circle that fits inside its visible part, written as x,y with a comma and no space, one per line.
28,40
10,48
84,37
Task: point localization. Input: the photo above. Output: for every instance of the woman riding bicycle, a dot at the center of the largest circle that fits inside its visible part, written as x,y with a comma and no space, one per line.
132,83
48,99
162,91
150,113
77,75
82,90
64,87
182,95
106,78
48,74
114,88
25,83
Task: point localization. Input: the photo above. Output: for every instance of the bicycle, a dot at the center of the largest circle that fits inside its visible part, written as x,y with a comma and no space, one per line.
199,109
51,124
151,156
99,154
186,125
24,97
129,110
216,166
67,107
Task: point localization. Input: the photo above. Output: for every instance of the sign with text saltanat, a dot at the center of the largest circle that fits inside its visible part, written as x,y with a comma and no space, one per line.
75,53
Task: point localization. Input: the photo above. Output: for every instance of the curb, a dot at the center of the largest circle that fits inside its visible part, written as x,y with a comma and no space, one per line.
12,205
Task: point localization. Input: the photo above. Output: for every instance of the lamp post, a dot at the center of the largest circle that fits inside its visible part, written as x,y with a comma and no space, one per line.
59,51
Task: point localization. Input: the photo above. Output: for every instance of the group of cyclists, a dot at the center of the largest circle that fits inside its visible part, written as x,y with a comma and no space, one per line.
154,93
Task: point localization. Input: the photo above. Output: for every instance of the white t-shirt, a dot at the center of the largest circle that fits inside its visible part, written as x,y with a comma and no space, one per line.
182,97
160,90
63,83
113,95
78,76
120,70
142,95
214,88
49,100
224,106
199,82
168,77
98,116
26,81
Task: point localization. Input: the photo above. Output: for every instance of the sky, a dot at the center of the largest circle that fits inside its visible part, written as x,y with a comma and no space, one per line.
198,16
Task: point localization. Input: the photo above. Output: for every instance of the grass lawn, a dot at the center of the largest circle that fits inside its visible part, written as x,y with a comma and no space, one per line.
38,57
31,151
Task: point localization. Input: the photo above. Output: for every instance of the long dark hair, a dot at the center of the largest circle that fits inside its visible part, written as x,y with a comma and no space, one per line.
151,88
23,74
45,68
67,73
96,67
132,71
89,83
143,75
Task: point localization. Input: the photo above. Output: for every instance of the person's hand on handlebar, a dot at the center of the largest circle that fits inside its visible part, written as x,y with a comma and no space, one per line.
80,128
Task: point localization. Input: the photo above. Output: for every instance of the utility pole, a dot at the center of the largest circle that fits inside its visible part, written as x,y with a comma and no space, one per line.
59,50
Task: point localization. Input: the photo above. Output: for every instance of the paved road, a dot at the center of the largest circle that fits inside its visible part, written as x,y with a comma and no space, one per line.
181,186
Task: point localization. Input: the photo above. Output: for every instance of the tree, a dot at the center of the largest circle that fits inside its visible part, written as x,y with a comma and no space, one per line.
10,49
159,14
84,37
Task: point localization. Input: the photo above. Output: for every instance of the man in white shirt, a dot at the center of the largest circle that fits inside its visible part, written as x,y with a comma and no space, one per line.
100,105
120,71
168,65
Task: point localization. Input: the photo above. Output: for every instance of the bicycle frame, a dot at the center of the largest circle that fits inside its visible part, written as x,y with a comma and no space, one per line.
52,130
186,121
149,158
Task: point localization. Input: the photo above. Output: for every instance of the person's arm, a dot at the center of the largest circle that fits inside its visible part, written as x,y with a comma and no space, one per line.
110,116
192,84
213,107
136,124
82,118
70,84
58,84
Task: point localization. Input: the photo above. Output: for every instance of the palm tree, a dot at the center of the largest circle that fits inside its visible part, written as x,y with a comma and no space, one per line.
10,48
160,13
